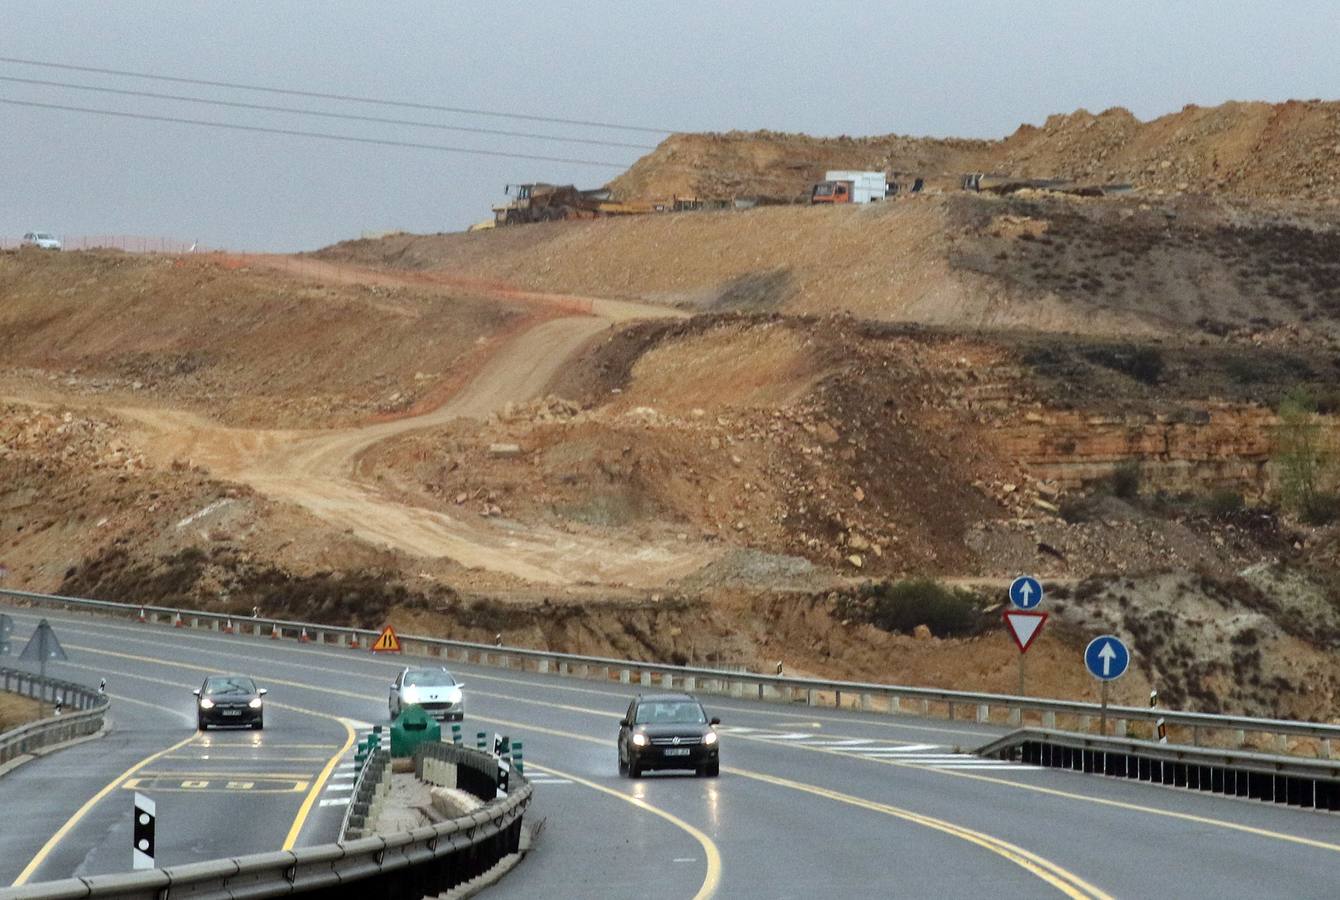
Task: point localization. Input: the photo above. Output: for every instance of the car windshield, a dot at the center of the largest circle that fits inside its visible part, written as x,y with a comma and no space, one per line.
230,686
823,190
670,712
428,678
43,236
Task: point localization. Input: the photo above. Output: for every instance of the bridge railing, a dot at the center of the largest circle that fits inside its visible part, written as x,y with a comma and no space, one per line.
82,713
1276,735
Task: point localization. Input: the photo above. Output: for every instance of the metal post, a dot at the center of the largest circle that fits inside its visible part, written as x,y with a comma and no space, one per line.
1102,716
1022,691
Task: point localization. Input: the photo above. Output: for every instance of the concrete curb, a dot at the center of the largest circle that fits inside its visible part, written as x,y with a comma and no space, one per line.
45,751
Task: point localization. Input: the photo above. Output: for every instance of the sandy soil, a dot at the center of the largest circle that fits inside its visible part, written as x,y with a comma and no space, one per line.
319,470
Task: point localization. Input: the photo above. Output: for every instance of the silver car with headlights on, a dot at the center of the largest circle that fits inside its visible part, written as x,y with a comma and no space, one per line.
435,689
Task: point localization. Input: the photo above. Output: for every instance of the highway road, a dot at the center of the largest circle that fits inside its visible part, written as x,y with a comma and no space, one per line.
809,803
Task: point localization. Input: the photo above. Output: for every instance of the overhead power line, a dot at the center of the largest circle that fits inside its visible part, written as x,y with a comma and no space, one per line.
352,117
405,104
313,134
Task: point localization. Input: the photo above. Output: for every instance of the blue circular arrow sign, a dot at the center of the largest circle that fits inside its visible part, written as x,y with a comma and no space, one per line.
1106,657
1026,592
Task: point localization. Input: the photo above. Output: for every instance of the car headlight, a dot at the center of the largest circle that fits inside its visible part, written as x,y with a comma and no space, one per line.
206,703
255,703
710,738
410,695
639,740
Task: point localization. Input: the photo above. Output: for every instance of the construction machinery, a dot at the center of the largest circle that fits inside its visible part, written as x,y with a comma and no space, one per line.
540,202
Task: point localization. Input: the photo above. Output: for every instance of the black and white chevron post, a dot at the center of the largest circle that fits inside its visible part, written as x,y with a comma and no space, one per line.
142,853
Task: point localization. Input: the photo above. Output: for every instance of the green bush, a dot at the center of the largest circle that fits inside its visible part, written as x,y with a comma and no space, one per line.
1321,508
1126,480
1224,502
903,605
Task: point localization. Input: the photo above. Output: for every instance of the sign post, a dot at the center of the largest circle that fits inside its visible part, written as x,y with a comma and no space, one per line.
1107,659
6,629
1024,625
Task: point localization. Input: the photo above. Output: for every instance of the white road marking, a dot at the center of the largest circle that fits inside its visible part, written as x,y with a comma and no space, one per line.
334,802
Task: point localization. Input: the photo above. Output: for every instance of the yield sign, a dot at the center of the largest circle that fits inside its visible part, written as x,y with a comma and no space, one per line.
1024,626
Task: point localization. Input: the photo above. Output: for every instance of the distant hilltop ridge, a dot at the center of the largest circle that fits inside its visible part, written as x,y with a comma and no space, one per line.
1282,151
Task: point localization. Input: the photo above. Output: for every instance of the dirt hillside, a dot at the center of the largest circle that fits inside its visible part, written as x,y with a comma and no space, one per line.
1031,261
1286,151
246,345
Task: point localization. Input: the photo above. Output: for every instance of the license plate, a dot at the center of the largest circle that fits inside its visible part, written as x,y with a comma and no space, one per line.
232,712
677,751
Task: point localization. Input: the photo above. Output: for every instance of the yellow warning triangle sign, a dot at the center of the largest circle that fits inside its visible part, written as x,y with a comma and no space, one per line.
387,642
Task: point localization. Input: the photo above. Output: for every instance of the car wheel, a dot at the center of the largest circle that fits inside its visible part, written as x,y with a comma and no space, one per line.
258,725
712,769
200,724
623,766
634,768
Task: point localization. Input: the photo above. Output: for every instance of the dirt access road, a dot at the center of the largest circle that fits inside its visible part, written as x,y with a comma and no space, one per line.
319,470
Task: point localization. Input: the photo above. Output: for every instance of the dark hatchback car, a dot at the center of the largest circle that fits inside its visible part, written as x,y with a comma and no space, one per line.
229,700
668,731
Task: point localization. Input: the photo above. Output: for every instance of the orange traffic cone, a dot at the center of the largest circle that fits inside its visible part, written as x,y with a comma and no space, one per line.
353,642
176,623
302,636
142,618
274,632
228,626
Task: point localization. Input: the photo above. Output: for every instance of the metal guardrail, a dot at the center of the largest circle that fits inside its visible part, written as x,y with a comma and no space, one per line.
1309,783
422,862
376,765
87,709
1195,728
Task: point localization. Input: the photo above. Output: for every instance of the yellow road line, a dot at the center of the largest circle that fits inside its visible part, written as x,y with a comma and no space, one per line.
305,810
1055,792
711,879
79,814
317,787
1063,880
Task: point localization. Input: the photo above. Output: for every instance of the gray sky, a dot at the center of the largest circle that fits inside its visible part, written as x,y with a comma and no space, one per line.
950,67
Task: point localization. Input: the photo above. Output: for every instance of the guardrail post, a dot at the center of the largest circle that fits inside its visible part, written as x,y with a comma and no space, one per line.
983,713
1016,716
625,676
1325,749
1049,720
543,667
690,684
895,705
644,678
1195,735
562,668
1119,728
585,671
867,703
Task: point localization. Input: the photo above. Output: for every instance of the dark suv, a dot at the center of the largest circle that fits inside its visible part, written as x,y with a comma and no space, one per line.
229,700
668,731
